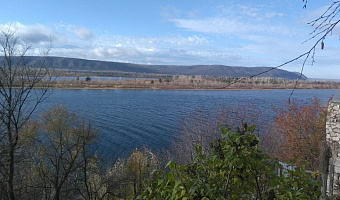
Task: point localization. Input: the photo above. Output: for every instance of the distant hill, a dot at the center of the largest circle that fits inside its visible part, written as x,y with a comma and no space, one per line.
211,70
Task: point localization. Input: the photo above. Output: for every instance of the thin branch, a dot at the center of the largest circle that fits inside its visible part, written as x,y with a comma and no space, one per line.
326,24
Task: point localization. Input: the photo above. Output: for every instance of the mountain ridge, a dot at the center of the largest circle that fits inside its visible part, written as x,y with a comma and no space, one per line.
204,70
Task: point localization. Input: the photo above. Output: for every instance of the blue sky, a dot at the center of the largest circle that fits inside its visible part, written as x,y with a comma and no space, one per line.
187,32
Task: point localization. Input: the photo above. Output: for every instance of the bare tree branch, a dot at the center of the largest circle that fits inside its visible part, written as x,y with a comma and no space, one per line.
323,27
22,88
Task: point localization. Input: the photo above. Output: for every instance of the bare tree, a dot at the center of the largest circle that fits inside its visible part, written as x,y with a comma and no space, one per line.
203,127
63,157
22,88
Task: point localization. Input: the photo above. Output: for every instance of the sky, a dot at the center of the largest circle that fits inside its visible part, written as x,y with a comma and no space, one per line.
180,32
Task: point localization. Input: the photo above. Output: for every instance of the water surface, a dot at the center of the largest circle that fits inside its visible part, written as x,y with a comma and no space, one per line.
127,119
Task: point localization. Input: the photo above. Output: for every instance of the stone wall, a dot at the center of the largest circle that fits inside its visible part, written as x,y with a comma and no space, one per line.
333,140
333,122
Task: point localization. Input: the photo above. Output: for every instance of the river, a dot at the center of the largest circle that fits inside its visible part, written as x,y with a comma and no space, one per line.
127,119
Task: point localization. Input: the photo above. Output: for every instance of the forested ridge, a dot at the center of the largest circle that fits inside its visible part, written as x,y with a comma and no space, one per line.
203,70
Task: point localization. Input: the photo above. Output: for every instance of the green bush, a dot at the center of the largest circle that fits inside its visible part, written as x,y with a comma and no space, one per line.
236,169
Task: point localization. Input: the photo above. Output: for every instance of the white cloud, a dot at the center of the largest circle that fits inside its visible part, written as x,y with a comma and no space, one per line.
274,14
32,34
109,53
83,33
35,34
151,42
170,11
249,11
236,19
225,26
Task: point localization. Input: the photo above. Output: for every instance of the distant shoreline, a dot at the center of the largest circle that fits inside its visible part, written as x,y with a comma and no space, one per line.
189,89
183,82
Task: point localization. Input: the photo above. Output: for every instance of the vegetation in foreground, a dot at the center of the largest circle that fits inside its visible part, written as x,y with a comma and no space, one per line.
236,169
57,160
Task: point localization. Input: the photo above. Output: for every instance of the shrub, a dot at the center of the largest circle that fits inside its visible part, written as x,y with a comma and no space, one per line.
236,169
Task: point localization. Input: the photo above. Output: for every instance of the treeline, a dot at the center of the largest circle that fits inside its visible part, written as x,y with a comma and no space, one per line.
197,82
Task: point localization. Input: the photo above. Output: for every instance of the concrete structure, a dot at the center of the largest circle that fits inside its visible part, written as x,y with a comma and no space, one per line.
333,141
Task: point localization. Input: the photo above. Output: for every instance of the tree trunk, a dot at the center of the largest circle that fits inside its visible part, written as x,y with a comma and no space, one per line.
11,160
11,174
57,194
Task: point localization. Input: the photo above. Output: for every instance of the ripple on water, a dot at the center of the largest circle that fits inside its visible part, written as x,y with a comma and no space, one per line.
127,119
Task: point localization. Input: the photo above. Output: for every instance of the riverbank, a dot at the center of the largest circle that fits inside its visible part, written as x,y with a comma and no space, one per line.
196,83
137,87
189,89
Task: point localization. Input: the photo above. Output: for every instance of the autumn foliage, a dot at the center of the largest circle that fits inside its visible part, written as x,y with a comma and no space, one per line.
298,131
